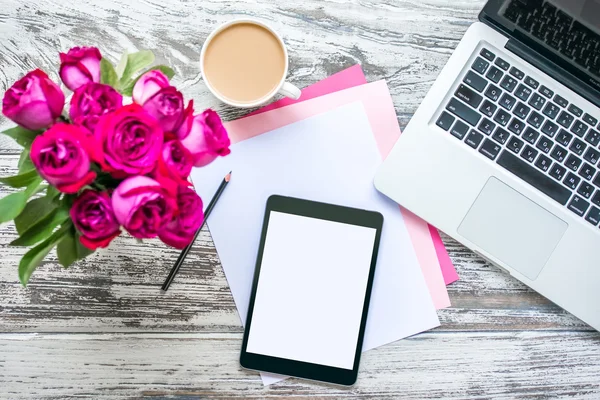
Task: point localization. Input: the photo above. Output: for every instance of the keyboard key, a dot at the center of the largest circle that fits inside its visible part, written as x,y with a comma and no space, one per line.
572,180
592,156
488,55
459,130
490,149
523,92
530,135
593,137
593,217
587,171
543,163
445,121
578,205
573,163
474,139
515,144
564,137
486,126
534,177
596,180
529,153
535,119
516,126
502,64
488,108
507,101
596,198
502,117
579,128
551,110
463,111
500,136
494,75
517,73
475,81
550,128
565,119
546,92
508,83
561,101
559,153
544,144
493,92
578,147
480,65
575,110
590,120
558,171
529,81
468,95
521,110
585,190
537,101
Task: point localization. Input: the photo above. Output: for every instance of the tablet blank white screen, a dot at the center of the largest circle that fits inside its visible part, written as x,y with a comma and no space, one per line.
311,290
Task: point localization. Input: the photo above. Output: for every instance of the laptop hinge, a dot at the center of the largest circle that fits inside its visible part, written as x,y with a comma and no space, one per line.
555,71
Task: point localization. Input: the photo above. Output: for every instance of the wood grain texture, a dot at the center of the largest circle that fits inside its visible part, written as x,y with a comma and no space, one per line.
104,329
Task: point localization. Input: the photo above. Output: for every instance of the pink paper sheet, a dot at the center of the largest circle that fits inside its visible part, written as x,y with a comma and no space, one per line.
382,116
345,79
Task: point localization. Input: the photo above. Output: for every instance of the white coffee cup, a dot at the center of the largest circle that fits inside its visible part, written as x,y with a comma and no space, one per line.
274,82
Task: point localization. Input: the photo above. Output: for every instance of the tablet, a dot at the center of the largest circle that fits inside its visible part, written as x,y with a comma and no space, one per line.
311,290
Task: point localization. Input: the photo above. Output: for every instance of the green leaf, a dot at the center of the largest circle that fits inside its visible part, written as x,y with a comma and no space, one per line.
25,163
127,89
52,192
121,65
135,62
34,257
12,205
22,136
35,210
108,74
42,229
20,180
70,249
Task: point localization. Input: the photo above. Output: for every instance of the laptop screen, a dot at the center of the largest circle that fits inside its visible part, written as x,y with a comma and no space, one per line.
567,32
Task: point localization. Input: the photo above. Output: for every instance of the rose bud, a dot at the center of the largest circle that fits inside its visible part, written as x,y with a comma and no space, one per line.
131,141
61,157
148,85
180,231
143,206
79,66
91,101
166,107
176,162
207,139
93,216
34,101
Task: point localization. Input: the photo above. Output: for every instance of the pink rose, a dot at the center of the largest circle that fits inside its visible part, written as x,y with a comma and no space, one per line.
61,157
148,85
79,66
166,106
206,139
143,206
131,141
34,101
91,101
180,231
93,216
176,162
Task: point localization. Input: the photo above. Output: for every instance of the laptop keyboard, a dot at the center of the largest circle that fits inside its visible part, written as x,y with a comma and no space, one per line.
530,130
558,30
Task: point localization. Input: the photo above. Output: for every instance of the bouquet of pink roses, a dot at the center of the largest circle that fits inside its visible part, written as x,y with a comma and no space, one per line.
106,165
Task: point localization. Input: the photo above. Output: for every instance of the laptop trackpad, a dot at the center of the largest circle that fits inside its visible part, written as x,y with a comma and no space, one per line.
512,228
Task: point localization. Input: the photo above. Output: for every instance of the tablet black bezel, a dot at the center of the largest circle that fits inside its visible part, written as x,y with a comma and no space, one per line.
329,212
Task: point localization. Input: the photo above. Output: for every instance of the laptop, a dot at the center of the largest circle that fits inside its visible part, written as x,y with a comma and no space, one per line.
503,154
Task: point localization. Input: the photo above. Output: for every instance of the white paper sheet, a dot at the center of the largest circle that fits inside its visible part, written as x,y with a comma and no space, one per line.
331,157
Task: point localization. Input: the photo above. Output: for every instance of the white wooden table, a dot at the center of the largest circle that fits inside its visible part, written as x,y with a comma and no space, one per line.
104,329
